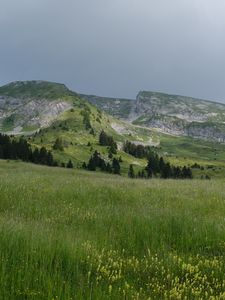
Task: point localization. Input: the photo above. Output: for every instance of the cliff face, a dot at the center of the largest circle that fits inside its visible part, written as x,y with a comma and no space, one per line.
27,106
16,114
172,114
117,107
180,115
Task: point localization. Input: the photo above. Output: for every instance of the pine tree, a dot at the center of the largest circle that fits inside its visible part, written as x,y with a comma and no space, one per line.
69,164
11,148
116,166
103,138
186,172
153,162
36,156
84,165
161,164
149,169
166,171
43,156
96,158
113,148
49,159
110,156
102,165
106,140
131,172
108,168
58,145
91,166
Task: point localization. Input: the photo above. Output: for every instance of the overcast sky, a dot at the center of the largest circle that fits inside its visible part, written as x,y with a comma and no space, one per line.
116,47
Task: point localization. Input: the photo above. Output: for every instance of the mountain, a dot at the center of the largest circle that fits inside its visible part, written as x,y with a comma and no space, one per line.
171,114
27,106
117,107
30,105
46,111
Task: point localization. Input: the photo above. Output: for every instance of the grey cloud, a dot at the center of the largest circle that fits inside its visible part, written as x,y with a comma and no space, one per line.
116,48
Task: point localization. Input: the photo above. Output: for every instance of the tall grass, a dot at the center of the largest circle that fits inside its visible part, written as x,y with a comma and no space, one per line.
68,234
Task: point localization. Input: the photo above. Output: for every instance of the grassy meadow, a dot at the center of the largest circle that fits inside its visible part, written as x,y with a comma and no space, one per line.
72,234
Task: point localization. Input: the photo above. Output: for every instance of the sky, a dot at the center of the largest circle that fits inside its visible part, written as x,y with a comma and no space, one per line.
118,47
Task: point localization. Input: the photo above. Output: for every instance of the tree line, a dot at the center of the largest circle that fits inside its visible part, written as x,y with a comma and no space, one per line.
138,151
157,167
97,162
107,140
11,148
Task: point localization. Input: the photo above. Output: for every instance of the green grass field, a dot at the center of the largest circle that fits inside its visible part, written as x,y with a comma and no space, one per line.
70,234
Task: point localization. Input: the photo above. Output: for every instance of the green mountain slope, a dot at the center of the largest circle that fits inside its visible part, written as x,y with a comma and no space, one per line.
79,142
45,112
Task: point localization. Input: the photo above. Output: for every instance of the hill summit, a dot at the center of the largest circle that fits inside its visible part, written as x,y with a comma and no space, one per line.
26,106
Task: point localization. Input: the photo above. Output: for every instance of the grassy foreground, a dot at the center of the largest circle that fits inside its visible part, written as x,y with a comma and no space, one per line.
69,234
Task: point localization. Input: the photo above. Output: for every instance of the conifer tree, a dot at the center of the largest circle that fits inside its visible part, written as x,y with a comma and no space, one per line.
113,148
106,140
149,169
166,171
11,148
43,156
84,165
91,166
103,138
108,168
116,166
69,164
110,156
131,172
58,145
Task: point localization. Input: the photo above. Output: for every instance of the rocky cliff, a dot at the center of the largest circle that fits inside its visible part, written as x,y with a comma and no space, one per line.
28,106
172,114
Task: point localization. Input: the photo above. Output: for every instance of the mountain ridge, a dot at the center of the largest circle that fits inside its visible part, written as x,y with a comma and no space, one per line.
46,111
173,114
26,106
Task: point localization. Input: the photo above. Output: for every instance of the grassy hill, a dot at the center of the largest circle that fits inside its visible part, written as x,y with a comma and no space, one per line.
70,234
79,143
35,89
45,111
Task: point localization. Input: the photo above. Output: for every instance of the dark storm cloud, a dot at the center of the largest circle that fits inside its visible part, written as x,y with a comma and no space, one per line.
117,47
